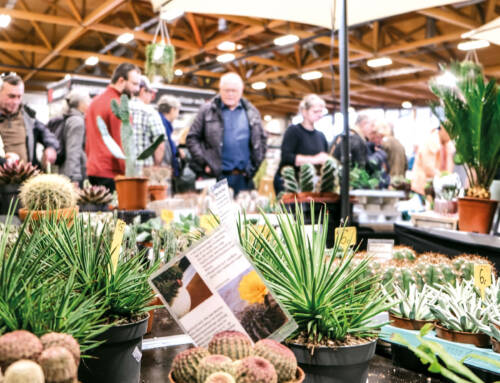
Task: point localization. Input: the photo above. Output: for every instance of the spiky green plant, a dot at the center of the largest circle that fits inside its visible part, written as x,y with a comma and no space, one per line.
163,65
306,177
289,179
326,297
129,153
472,118
329,178
411,303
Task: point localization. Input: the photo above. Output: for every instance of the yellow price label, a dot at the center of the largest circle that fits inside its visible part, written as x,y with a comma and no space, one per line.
167,216
347,235
482,277
208,223
117,243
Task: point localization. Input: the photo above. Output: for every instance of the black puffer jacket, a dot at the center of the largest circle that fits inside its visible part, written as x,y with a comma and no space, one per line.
205,138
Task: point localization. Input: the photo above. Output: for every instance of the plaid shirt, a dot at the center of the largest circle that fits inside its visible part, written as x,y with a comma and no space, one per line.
147,126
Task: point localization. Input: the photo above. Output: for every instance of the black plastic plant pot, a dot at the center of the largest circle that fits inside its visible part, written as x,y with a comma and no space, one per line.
93,208
118,359
8,194
346,364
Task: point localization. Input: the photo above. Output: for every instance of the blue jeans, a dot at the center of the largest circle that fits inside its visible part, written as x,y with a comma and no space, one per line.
239,182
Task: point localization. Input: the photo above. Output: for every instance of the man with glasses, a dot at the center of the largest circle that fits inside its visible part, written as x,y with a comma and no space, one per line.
227,139
19,129
102,167
147,124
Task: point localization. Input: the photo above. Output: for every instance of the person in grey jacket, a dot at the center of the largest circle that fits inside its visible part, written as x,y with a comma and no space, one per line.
227,139
75,159
19,128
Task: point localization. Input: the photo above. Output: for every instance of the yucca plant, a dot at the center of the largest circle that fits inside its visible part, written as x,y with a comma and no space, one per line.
328,298
472,118
411,303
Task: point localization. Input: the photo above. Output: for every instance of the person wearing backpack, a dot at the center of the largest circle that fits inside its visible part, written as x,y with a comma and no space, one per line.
70,130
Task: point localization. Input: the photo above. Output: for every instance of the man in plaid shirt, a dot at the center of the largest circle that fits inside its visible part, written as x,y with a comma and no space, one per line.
147,124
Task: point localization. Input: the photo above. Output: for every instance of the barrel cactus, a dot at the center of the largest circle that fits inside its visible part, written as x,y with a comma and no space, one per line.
53,339
254,369
328,176
306,177
220,377
281,357
128,153
289,180
58,365
48,192
233,344
185,365
214,363
17,345
24,371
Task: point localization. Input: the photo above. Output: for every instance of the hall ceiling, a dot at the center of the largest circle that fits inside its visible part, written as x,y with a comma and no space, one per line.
48,39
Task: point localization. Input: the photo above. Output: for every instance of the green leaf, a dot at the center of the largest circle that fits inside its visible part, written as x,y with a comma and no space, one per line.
151,149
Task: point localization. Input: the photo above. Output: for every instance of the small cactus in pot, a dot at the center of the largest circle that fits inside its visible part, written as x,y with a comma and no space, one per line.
94,197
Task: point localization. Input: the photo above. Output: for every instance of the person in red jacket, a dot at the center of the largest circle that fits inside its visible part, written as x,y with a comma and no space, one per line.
102,167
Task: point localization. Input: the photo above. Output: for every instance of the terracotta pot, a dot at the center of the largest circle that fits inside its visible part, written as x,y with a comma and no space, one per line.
157,192
299,377
442,206
476,214
67,214
408,324
132,192
479,339
155,302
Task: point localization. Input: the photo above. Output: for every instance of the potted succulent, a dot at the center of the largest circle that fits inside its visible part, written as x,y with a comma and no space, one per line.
331,299
447,187
94,198
131,189
410,307
159,178
471,118
48,194
12,175
455,307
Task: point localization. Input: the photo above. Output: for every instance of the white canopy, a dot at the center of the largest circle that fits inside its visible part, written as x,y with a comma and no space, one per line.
489,31
314,12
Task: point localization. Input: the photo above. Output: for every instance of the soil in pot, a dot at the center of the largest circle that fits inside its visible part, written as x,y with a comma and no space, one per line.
408,324
157,192
479,339
132,192
9,194
344,364
118,359
476,214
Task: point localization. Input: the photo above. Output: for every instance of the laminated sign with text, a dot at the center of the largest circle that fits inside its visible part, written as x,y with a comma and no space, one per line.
213,287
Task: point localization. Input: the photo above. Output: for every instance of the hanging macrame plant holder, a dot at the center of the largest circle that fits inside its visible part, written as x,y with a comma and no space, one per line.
160,56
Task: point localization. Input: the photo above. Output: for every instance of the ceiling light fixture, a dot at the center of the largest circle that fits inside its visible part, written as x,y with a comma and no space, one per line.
171,15
473,44
268,118
447,79
406,104
4,20
92,60
313,75
259,85
378,62
125,38
286,40
178,72
225,58
227,46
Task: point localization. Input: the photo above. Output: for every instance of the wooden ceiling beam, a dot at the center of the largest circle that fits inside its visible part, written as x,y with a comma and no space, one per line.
415,62
420,43
270,62
37,28
17,53
194,28
40,17
74,10
135,16
490,13
450,17
375,35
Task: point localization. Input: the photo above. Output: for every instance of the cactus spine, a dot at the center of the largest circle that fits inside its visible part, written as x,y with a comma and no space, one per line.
185,365
220,377
232,344
281,357
48,192
254,369
214,363
306,177
327,174
290,182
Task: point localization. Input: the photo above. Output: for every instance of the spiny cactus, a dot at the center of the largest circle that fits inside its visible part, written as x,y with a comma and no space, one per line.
53,339
97,195
170,283
328,176
403,252
19,344
254,369
281,357
214,363
24,371
129,153
17,172
58,365
261,319
48,192
185,365
289,180
306,177
233,344
220,377
464,265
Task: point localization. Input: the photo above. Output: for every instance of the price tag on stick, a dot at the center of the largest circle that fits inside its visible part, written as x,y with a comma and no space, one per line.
347,236
117,243
482,277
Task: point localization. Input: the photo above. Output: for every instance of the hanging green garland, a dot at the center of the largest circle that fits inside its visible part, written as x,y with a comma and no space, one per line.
160,60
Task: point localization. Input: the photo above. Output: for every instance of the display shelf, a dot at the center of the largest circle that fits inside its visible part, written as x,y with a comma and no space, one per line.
458,350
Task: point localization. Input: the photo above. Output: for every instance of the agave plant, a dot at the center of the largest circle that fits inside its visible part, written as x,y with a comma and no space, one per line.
472,117
411,303
328,298
457,304
17,172
96,195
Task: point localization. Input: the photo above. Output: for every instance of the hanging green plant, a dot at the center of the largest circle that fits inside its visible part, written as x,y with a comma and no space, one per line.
160,60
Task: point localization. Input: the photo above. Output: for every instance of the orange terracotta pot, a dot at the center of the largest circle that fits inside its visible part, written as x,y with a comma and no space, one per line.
67,214
408,324
132,192
476,214
478,340
157,192
155,302
299,377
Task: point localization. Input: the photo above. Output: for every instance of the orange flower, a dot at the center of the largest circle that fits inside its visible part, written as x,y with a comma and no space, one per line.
252,289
